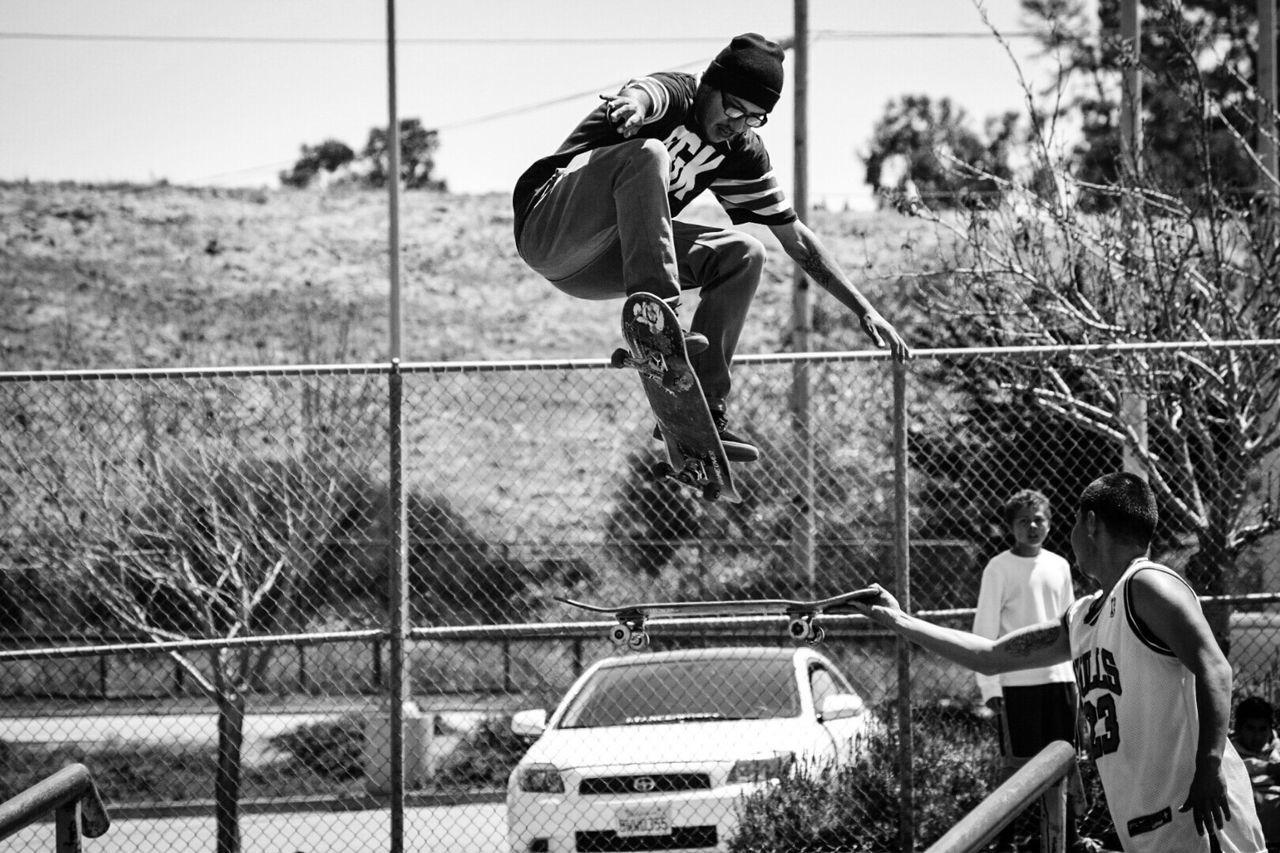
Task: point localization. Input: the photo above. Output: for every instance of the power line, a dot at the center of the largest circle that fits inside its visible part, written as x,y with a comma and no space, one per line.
524,108
850,35
834,35
359,41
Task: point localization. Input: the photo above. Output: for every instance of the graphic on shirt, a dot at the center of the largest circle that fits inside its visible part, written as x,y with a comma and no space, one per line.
690,158
1097,669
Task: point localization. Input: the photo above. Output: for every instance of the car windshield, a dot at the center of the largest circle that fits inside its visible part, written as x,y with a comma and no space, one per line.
672,691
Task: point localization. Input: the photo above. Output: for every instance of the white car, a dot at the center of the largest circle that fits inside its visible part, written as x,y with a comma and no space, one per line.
656,751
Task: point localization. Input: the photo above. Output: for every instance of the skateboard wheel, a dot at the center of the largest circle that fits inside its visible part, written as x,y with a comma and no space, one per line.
711,492
798,629
619,358
663,469
638,641
619,635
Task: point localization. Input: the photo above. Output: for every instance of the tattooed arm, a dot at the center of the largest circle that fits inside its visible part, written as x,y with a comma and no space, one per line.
804,247
1033,646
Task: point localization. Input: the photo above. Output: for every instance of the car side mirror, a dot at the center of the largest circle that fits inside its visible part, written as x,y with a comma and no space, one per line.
529,723
841,706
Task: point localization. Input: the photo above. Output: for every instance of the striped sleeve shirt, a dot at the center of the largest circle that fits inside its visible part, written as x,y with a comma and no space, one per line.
738,172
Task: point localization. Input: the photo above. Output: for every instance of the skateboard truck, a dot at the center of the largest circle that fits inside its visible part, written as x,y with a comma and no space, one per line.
630,631
694,474
801,627
655,367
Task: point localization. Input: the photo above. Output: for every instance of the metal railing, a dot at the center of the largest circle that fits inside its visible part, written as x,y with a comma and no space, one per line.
1043,778
72,797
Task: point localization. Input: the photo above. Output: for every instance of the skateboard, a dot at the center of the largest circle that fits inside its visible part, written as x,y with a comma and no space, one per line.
695,453
630,630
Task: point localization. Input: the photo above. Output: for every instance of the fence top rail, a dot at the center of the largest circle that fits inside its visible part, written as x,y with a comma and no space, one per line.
756,625
151,647
548,365
109,374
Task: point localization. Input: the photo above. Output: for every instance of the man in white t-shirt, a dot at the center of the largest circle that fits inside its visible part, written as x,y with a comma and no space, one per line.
1027,585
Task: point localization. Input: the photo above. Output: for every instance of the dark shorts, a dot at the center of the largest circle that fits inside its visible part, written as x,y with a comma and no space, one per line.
1035,716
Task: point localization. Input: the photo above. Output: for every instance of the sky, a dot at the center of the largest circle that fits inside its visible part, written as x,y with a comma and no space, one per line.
225,93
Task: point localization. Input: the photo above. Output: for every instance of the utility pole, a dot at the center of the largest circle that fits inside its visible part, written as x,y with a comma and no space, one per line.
1133,402
1269,180
803,532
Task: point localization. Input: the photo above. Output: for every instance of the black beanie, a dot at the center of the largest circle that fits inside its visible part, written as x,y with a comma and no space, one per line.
749,68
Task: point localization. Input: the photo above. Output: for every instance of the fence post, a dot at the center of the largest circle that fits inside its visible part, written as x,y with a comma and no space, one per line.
397,609
902,570
1053,818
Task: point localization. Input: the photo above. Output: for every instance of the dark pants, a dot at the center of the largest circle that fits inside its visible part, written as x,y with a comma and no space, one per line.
603,230
1034,717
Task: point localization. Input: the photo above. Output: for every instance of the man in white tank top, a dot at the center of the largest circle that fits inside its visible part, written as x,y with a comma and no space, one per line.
1154,685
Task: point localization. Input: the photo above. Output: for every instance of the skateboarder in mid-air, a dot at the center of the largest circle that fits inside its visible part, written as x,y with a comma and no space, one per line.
595,217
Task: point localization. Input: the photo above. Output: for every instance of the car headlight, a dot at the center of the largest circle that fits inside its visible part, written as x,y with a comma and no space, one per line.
541,779
762,769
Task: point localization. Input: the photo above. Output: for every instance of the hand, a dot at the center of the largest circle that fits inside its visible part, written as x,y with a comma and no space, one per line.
884,336
623,113
885,601
1207,799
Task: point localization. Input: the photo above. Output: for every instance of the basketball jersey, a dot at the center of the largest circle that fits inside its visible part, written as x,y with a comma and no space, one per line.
1139,702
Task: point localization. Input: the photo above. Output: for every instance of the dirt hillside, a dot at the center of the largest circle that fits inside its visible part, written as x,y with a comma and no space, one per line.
161,276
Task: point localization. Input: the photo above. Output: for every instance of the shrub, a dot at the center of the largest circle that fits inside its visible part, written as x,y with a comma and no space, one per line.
332,748
854,808
485,758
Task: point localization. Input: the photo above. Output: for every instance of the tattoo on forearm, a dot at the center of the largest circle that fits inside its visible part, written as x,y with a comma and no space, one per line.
1025,643
816,268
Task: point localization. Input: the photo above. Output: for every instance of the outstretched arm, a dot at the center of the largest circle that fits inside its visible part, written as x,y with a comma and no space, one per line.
1026,648
1170,611
804,247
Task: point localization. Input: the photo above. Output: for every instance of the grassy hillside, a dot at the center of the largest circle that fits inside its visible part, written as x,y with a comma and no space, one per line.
158,276
142,276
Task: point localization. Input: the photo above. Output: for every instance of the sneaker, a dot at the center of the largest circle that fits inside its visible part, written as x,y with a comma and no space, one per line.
736,448
695,342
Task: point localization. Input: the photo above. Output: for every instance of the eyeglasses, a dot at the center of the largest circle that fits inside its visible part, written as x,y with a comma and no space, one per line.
734,113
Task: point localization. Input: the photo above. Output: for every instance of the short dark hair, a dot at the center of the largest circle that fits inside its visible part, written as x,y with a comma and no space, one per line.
1254,708
1124,504
1027,498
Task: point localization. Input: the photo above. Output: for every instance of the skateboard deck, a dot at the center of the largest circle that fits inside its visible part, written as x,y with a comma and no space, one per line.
695,453
630,630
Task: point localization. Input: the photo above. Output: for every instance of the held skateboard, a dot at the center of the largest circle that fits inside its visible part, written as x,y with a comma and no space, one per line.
695,453
630,630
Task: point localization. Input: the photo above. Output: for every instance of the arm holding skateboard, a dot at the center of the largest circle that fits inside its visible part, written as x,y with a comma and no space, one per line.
1033,646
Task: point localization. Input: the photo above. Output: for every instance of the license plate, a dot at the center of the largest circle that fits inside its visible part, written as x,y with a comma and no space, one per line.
652,820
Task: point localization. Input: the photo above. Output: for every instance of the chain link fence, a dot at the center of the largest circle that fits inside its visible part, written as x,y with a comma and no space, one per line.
194,588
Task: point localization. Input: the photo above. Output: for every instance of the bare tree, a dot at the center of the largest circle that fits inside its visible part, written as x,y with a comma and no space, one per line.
1196,266
223,549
